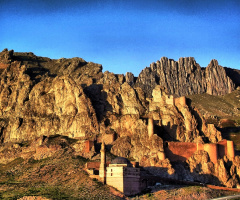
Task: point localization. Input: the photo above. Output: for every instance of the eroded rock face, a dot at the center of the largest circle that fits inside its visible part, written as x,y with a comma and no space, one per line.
185,77
143,149
6,56
129,78
208,132
52,106
111,96
224,172
72,97
40,97
218,83
134,141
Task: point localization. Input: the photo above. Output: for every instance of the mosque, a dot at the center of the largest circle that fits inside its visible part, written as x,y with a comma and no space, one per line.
120,173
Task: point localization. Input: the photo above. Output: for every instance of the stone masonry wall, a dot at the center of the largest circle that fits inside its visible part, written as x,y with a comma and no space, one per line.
181,151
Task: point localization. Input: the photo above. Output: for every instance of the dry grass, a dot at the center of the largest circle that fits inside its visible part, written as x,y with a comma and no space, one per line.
59,177
183,193
226,106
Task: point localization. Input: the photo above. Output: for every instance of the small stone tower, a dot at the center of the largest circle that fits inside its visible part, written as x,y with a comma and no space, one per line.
150,127
230,150
211,148
102,168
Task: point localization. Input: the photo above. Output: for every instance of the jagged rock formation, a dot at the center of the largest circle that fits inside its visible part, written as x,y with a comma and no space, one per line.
175,119
130,78
185,77
218,83
40,96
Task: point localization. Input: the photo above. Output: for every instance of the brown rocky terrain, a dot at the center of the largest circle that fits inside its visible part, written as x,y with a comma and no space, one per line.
41,98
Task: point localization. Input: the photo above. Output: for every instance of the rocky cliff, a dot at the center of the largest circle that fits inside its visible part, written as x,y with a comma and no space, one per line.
40,100
72,97
41,97
185,77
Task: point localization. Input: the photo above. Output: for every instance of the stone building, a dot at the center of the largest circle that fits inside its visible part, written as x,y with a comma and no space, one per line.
120,173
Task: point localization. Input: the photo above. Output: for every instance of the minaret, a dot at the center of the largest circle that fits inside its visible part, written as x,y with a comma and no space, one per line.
102,168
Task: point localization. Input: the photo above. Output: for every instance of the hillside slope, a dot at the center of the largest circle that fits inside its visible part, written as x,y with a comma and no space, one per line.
57,176
226,106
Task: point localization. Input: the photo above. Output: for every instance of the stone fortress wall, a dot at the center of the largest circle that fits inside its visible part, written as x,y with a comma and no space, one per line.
181,151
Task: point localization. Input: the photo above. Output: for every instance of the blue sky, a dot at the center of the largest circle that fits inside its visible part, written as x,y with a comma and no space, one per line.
124,35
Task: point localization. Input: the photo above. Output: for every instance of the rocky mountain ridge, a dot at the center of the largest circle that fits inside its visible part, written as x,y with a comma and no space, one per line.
40,97
181,78
185,77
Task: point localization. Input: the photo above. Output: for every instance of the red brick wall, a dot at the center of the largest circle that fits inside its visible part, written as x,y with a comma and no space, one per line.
212,150
181,151
230,149
93,165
